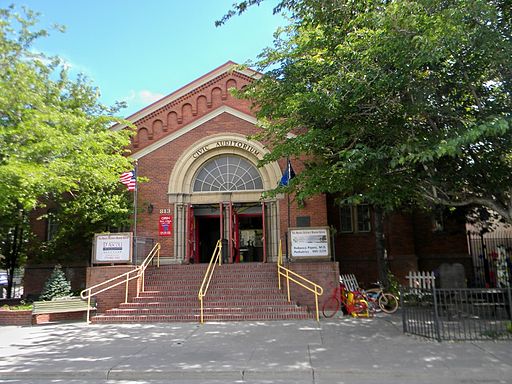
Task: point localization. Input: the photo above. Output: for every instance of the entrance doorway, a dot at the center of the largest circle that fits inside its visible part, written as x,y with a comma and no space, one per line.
240,227
208,228
250,228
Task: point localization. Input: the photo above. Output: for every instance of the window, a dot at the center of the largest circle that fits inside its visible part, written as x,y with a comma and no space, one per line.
51,225
346,219
227,173
363,218
355,218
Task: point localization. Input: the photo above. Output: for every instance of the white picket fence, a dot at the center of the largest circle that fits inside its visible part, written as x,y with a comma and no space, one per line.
421,279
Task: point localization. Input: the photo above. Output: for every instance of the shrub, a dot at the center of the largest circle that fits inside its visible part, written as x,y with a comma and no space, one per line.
56,286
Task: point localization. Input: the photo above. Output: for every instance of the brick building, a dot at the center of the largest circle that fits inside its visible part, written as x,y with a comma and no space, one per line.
193,147
202,172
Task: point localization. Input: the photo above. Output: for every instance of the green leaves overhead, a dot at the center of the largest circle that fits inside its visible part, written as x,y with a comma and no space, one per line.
55,147
401,102
54,134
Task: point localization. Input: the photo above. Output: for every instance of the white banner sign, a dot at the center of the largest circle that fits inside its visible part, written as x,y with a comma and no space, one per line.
112,248
311,242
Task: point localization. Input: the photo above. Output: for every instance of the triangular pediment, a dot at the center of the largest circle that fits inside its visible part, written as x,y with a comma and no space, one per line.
188,128
210,78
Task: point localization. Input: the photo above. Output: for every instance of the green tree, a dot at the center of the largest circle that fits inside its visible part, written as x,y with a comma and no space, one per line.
56,286
396,102
55,141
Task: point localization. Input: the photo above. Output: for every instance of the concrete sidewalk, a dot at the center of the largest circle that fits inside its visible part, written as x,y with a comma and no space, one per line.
341,350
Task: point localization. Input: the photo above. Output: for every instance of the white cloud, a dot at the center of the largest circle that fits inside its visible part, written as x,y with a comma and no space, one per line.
142,97
66,62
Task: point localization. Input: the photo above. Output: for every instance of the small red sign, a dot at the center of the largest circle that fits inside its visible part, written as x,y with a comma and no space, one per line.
165,225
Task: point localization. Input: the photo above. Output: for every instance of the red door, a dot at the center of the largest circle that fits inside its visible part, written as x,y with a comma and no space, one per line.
263,224
192,236
234,235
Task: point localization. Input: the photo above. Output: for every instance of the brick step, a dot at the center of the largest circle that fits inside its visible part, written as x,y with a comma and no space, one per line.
204,266
253,285
189,270
238,292
224,293
196,318
210,297
217,277
210,304
209,310
267,276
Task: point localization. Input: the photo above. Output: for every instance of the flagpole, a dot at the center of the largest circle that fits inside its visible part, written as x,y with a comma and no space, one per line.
288,169
135,213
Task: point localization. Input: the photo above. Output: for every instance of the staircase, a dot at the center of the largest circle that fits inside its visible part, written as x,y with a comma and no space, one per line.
238,292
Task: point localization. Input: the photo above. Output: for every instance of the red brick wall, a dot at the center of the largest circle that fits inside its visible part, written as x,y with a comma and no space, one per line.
158,165
65,316
20,318
113,297
155,192
325,274
411,244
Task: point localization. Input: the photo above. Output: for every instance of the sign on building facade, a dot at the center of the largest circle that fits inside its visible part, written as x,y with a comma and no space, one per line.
165,225
111,248
309,243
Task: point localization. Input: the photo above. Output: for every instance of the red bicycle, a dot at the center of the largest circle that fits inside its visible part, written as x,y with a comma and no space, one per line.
353,302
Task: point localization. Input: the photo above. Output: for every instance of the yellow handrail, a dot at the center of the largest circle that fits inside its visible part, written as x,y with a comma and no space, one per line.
124,278
216,258
316,289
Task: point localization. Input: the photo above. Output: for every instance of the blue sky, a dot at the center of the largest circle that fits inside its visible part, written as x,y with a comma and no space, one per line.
140,50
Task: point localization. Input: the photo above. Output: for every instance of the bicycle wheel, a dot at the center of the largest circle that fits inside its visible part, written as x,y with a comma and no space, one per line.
330,307
372,297
388,302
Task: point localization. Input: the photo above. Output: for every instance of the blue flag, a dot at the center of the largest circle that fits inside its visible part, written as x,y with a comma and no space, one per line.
287,175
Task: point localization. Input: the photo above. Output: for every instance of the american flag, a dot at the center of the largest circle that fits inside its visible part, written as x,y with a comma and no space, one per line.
129,179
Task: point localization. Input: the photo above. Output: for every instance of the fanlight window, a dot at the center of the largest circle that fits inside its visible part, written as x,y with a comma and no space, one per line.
227,173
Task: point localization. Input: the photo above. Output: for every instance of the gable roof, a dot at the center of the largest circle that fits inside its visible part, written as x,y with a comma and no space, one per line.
229,66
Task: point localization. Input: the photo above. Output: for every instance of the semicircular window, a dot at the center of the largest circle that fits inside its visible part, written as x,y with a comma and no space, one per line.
227,173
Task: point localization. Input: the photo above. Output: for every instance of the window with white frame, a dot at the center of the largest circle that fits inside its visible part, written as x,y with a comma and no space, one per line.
227,173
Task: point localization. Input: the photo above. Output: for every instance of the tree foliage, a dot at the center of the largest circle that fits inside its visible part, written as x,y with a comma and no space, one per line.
55,141
393,101
56,286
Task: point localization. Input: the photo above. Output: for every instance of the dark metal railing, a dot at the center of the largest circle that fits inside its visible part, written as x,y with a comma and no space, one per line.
487,250
457,314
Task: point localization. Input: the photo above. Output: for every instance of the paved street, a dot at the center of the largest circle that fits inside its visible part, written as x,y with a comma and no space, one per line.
341,350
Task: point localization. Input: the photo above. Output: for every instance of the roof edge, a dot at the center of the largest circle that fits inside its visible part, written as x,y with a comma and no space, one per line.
226,67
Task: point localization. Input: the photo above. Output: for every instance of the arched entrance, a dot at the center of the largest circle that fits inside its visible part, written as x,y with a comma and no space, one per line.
240,226
216,188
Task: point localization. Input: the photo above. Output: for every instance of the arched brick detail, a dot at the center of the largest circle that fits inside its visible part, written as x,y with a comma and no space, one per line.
231,83
201,104
172,120
186,112
158,127
216,97
143,136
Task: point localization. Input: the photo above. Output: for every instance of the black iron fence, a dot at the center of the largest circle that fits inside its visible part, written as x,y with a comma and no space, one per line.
491,253
457,314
